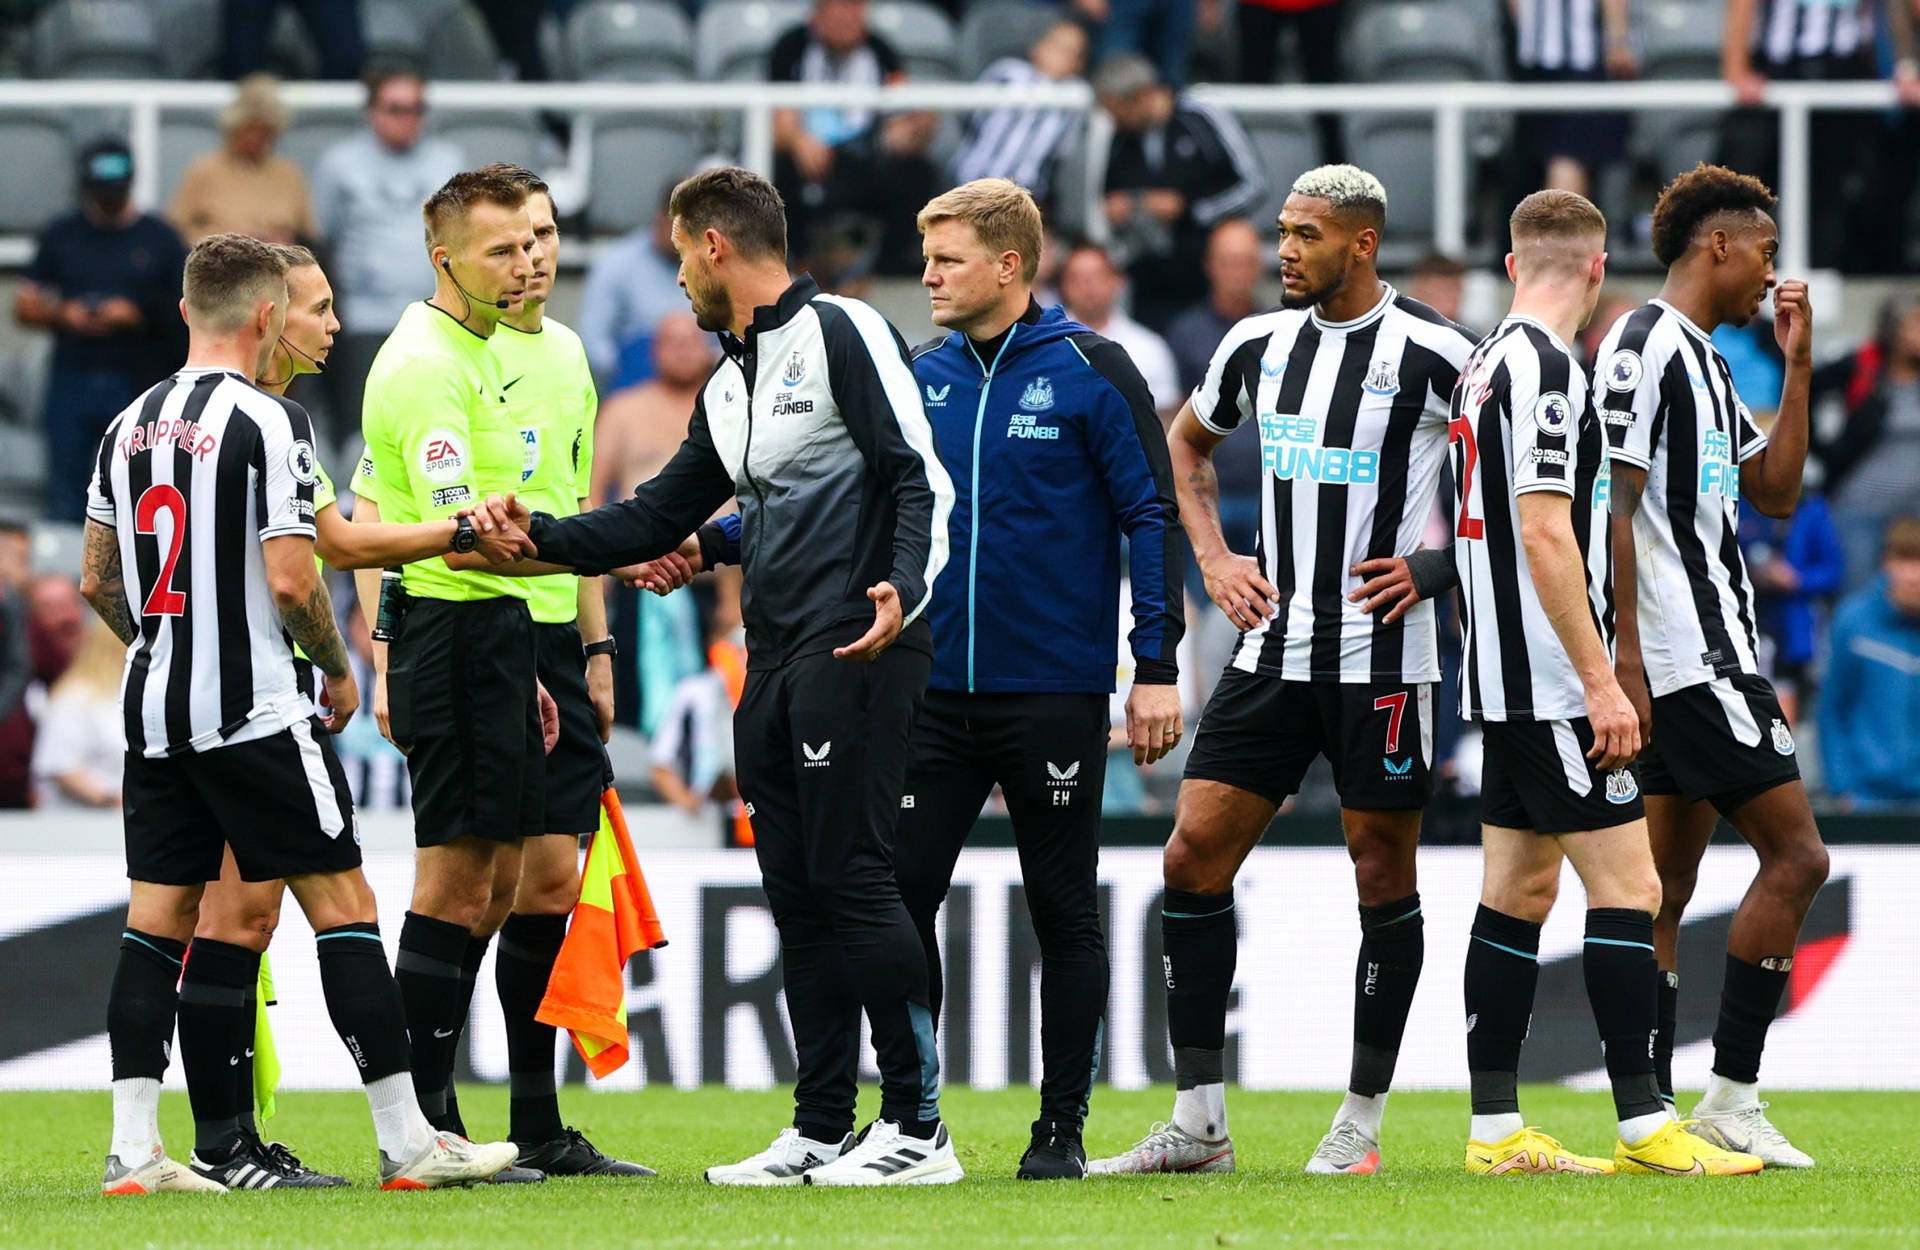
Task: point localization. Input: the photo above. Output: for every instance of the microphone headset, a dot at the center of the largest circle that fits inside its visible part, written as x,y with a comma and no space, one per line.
501,304
318,366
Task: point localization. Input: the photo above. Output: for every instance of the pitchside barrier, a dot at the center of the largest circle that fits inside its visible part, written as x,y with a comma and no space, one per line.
708,1009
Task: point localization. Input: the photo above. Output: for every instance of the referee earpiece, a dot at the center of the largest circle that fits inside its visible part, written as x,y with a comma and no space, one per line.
447,264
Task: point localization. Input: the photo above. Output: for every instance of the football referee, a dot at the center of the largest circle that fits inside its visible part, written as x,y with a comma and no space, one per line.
547,377
812,419
461,696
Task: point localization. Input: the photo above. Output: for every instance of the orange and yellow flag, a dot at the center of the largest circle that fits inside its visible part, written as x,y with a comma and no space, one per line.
587,994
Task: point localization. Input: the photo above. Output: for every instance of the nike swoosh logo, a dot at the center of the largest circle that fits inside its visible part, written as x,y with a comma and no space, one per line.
1194,1167
443,1032
1696,1170
249,1052
233,1061
509,386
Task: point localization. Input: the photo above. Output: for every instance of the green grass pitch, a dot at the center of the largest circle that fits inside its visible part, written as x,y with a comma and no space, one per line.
1865,1193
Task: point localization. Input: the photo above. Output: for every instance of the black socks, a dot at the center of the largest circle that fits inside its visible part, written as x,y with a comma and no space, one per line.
362,999
1503,969
1201,941
528,947
429,974
216,1041
142,1003
1669,1001
1621,986
1392,948
1748,1003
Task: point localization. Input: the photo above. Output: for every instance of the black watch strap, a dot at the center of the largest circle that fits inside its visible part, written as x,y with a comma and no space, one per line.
465,537
606,646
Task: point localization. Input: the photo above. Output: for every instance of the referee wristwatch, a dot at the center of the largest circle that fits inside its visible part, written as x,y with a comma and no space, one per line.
606,646
465,537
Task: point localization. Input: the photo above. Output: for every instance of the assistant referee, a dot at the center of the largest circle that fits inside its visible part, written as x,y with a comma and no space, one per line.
442,431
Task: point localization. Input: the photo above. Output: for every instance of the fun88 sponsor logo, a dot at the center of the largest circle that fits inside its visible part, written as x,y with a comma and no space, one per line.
1289,449
1718,474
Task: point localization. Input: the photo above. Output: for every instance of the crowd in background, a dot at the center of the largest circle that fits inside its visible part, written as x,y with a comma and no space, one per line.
1183,258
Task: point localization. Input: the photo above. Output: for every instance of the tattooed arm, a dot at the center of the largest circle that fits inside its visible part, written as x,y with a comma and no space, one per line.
104,584
307,612
1234,582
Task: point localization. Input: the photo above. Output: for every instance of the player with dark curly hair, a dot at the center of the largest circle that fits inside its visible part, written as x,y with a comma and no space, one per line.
1718,743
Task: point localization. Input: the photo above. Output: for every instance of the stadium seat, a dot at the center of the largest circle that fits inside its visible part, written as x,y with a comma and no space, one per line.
733,37
311,134
1288,146
1399,147
1680,38
994,28
492,136
1421,41
444,39
189,58
922,34
630,41
97,39
39,182
636,157
183,137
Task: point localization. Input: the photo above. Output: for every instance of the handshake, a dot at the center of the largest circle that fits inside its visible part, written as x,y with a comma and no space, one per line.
501,522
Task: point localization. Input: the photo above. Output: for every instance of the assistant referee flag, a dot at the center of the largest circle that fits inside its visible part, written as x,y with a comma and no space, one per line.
587,994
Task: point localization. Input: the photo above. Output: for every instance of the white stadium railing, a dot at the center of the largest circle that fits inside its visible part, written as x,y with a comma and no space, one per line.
1450,105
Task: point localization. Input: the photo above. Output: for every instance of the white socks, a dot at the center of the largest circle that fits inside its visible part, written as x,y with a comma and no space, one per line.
1201,1112
136,1119
1492,1128
1640,1127
1725,1095
1365,1111
402,1130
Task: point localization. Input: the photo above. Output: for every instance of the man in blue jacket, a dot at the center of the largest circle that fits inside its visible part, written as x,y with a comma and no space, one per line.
1870,708
1054,448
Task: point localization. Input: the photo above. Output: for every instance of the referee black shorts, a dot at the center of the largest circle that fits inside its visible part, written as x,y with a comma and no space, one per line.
1536,775
281,802
1260,734
461,698
1725,740
577,767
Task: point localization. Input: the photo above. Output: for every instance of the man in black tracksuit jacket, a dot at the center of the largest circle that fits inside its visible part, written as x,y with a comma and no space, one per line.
813,422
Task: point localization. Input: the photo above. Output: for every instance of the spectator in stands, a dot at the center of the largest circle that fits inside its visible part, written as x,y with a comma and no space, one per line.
1568,41
632,286
367,196
692,750
1159,30
1826,41
1090,290
1796,565
1318,28
1870,708
640,427
80,746
1440,282
243,186
56,618
1873,463
1176,170
834,163
1234,261
332,25
1024,144
106,280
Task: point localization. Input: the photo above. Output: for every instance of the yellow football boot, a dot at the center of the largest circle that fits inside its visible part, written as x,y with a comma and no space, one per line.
1671,1150
1529,1150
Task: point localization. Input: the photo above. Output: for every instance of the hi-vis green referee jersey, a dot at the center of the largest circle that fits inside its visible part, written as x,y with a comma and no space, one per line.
443,432
551,385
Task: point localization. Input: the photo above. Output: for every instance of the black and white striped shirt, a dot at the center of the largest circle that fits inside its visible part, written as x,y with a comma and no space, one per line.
1557,34
194,476
1352,419
1017,143
1521,423
1785,31
1668,403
